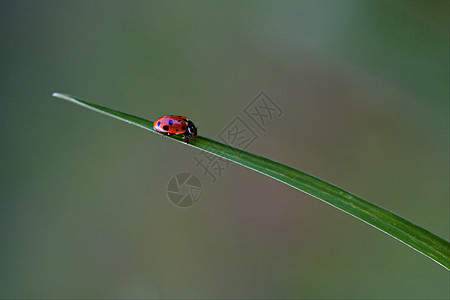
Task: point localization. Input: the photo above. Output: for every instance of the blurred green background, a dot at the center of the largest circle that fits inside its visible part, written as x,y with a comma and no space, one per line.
84,211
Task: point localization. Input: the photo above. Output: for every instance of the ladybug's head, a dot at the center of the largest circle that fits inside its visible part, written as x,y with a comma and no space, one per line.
191,128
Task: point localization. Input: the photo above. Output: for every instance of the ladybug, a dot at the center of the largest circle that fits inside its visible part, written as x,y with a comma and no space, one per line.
176,125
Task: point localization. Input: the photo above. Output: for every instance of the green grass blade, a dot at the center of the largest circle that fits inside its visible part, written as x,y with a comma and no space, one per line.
412,235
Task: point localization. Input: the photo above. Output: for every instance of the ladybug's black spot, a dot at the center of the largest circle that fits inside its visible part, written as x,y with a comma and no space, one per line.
170,122
165,127
159,123
183,127
176,129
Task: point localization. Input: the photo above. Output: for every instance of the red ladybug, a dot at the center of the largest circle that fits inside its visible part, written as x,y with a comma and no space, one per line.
176,125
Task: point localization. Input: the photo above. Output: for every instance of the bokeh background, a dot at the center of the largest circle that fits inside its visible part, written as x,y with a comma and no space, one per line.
84,211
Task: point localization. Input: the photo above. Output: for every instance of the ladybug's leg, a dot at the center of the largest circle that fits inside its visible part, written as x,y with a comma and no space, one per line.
186,138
